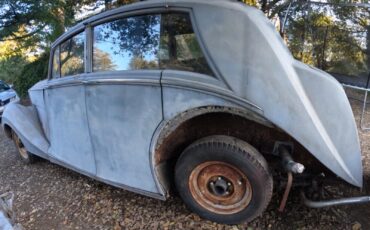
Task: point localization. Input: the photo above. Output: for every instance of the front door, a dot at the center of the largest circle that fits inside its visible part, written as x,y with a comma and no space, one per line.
70,142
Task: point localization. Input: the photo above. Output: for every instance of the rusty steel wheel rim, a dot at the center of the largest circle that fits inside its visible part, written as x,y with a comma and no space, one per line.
21,149
220,187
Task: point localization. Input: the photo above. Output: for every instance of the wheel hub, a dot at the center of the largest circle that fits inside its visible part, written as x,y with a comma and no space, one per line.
220,187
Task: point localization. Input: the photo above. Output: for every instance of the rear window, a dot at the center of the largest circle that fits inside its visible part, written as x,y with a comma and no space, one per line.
180,49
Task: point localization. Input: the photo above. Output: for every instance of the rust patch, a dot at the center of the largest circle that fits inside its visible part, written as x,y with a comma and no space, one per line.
220,187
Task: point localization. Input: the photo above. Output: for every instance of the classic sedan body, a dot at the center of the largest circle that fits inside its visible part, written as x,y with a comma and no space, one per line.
198,93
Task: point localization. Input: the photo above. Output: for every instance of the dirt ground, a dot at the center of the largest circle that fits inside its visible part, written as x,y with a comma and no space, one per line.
48,196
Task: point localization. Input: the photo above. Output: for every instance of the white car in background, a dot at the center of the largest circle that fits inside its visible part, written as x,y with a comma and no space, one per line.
7,95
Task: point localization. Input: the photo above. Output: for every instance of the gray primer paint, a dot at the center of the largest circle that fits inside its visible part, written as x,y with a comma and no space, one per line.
114,140
122,119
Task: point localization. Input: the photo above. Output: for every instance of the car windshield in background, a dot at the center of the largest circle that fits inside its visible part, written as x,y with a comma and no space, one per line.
3,87
331,37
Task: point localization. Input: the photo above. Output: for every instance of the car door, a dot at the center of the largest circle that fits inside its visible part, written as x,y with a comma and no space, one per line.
70,142
123,97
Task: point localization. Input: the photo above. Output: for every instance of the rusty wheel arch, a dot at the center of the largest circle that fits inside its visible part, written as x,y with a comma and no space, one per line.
171,127
187,127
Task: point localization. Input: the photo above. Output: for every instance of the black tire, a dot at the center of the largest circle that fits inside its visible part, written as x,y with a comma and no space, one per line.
230,158
25,156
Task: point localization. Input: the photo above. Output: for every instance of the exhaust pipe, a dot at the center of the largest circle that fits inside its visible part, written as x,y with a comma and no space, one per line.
336,202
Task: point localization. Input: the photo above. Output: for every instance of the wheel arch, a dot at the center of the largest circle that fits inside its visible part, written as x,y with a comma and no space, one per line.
174,135
7,130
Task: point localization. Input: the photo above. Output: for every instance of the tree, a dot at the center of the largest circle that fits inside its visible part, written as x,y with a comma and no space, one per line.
102,61
27,29
141,63
329,37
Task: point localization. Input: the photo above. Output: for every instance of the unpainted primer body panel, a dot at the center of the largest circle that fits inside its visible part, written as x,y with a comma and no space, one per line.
265,73
24,121
123,113
69,131
38,100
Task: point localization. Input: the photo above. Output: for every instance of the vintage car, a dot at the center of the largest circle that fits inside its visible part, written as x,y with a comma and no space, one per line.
7,95
203,95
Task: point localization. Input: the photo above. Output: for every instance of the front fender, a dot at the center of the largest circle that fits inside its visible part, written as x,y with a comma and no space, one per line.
24,121
335,125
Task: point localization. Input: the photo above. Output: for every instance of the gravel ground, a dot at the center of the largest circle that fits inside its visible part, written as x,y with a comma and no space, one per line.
51,197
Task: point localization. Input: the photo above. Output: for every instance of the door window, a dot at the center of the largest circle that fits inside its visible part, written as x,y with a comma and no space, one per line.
164,41
127,44
72,55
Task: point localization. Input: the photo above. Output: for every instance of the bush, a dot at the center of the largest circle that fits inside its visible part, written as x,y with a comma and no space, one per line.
11,67
31,73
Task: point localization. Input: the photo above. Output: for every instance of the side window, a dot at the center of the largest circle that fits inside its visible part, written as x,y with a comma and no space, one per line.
72,55
127,44
179,45
56,67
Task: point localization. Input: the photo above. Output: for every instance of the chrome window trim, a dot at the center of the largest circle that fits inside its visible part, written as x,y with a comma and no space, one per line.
89,24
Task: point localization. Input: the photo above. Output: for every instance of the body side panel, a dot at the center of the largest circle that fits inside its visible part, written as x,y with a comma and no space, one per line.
124,109
36,94
69,132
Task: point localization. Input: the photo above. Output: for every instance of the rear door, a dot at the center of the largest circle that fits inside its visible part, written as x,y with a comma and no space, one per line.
123,96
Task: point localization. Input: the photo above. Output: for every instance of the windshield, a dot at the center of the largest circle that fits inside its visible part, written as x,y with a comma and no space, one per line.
3,87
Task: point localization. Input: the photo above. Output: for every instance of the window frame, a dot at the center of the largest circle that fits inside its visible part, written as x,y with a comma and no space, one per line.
88,28
136,14
57,46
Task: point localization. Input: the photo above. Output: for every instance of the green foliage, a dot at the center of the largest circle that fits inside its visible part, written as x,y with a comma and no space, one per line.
31,73
27,29
331,37
11,67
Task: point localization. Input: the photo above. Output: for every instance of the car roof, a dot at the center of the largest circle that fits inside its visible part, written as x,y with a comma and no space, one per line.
142,5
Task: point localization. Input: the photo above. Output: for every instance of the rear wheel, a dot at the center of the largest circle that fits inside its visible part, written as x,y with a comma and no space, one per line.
224,179
26,156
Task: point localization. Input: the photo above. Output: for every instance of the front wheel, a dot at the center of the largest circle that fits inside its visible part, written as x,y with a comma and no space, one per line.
224,179
26,156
